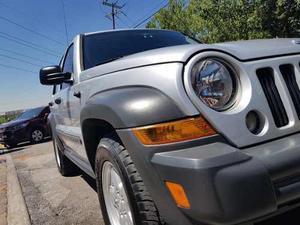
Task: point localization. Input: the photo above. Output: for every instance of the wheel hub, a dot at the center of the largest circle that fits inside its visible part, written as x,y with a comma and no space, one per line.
115,197
37,135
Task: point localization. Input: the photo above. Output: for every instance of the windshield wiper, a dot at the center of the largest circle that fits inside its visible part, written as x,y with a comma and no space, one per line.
109,60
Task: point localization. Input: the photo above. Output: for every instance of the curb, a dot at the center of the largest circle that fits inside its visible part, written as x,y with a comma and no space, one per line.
17,213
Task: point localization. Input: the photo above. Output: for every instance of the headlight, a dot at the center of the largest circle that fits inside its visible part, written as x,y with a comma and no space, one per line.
214,83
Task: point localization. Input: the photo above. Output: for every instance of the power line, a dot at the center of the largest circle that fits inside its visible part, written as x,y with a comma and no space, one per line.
30,30
159,5
17,68
20,60
23,55
28,42
115,10
127,17
149,17
126,25
29,46
27,15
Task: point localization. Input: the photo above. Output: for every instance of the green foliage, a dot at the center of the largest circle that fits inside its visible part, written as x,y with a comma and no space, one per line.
227,20
6,118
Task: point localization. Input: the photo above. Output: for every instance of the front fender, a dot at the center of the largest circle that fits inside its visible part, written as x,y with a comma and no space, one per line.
131,107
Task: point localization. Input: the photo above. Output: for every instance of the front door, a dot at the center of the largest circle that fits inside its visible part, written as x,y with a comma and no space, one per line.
61,101
69,109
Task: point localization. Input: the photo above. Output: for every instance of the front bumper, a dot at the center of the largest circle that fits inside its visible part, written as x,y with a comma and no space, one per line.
9,137
224,185
4,138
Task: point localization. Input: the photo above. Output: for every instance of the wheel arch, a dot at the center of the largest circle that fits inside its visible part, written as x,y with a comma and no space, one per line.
37,126
93,130
123,108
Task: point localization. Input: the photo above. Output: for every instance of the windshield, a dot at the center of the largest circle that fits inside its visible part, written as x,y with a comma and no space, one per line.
104,47
30,113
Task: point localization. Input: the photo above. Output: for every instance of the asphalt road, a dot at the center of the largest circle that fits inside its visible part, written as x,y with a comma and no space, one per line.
50,198
55,200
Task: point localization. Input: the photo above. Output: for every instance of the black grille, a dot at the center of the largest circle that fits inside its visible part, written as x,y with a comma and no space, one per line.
266,78
288,73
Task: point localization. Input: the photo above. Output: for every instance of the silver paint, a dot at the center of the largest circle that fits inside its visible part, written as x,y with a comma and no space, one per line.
162,69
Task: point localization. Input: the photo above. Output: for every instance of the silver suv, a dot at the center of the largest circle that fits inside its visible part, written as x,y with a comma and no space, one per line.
179,132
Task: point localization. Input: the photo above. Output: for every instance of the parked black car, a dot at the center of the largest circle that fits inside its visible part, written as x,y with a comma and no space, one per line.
31,125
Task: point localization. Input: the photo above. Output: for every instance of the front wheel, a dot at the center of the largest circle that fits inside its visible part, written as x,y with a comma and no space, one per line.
122,194
37,135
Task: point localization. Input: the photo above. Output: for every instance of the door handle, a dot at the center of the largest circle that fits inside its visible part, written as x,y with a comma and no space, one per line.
58,101
51,104
77,94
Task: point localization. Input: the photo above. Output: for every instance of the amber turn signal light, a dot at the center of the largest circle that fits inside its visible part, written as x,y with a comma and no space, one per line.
178,195
180,130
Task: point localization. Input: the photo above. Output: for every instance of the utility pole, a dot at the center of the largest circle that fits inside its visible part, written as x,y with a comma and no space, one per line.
115,10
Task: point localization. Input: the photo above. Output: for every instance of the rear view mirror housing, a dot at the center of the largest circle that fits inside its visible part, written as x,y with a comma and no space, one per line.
52,75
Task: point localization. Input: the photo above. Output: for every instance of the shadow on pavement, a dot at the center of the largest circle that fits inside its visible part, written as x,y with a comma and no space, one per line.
21,146
12,150
90,181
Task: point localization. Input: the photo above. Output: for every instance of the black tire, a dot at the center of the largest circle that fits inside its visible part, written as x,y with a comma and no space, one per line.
64,165
41,131
143,209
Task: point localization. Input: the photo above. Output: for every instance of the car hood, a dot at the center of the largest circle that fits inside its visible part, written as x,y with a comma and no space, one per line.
12,123
241,50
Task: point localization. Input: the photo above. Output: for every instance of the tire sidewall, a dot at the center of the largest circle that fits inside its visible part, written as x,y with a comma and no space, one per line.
66,168
106,152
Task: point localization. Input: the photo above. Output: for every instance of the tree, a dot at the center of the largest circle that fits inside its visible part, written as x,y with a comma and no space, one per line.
7,118
175,17
227,20
286,17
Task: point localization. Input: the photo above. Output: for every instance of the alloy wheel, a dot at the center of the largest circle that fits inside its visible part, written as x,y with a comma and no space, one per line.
115,197
37,135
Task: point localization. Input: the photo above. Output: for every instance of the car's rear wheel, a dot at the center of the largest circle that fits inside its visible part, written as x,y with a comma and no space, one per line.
65,166
37,135
122,194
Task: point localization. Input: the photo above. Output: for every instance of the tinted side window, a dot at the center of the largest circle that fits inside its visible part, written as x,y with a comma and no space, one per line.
68,64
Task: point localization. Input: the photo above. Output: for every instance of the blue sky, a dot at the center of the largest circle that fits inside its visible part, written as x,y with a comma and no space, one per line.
19,82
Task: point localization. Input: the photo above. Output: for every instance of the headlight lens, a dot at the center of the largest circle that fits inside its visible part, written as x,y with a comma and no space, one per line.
214,83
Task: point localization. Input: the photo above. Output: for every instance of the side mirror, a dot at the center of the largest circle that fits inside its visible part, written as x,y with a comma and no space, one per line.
52,75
